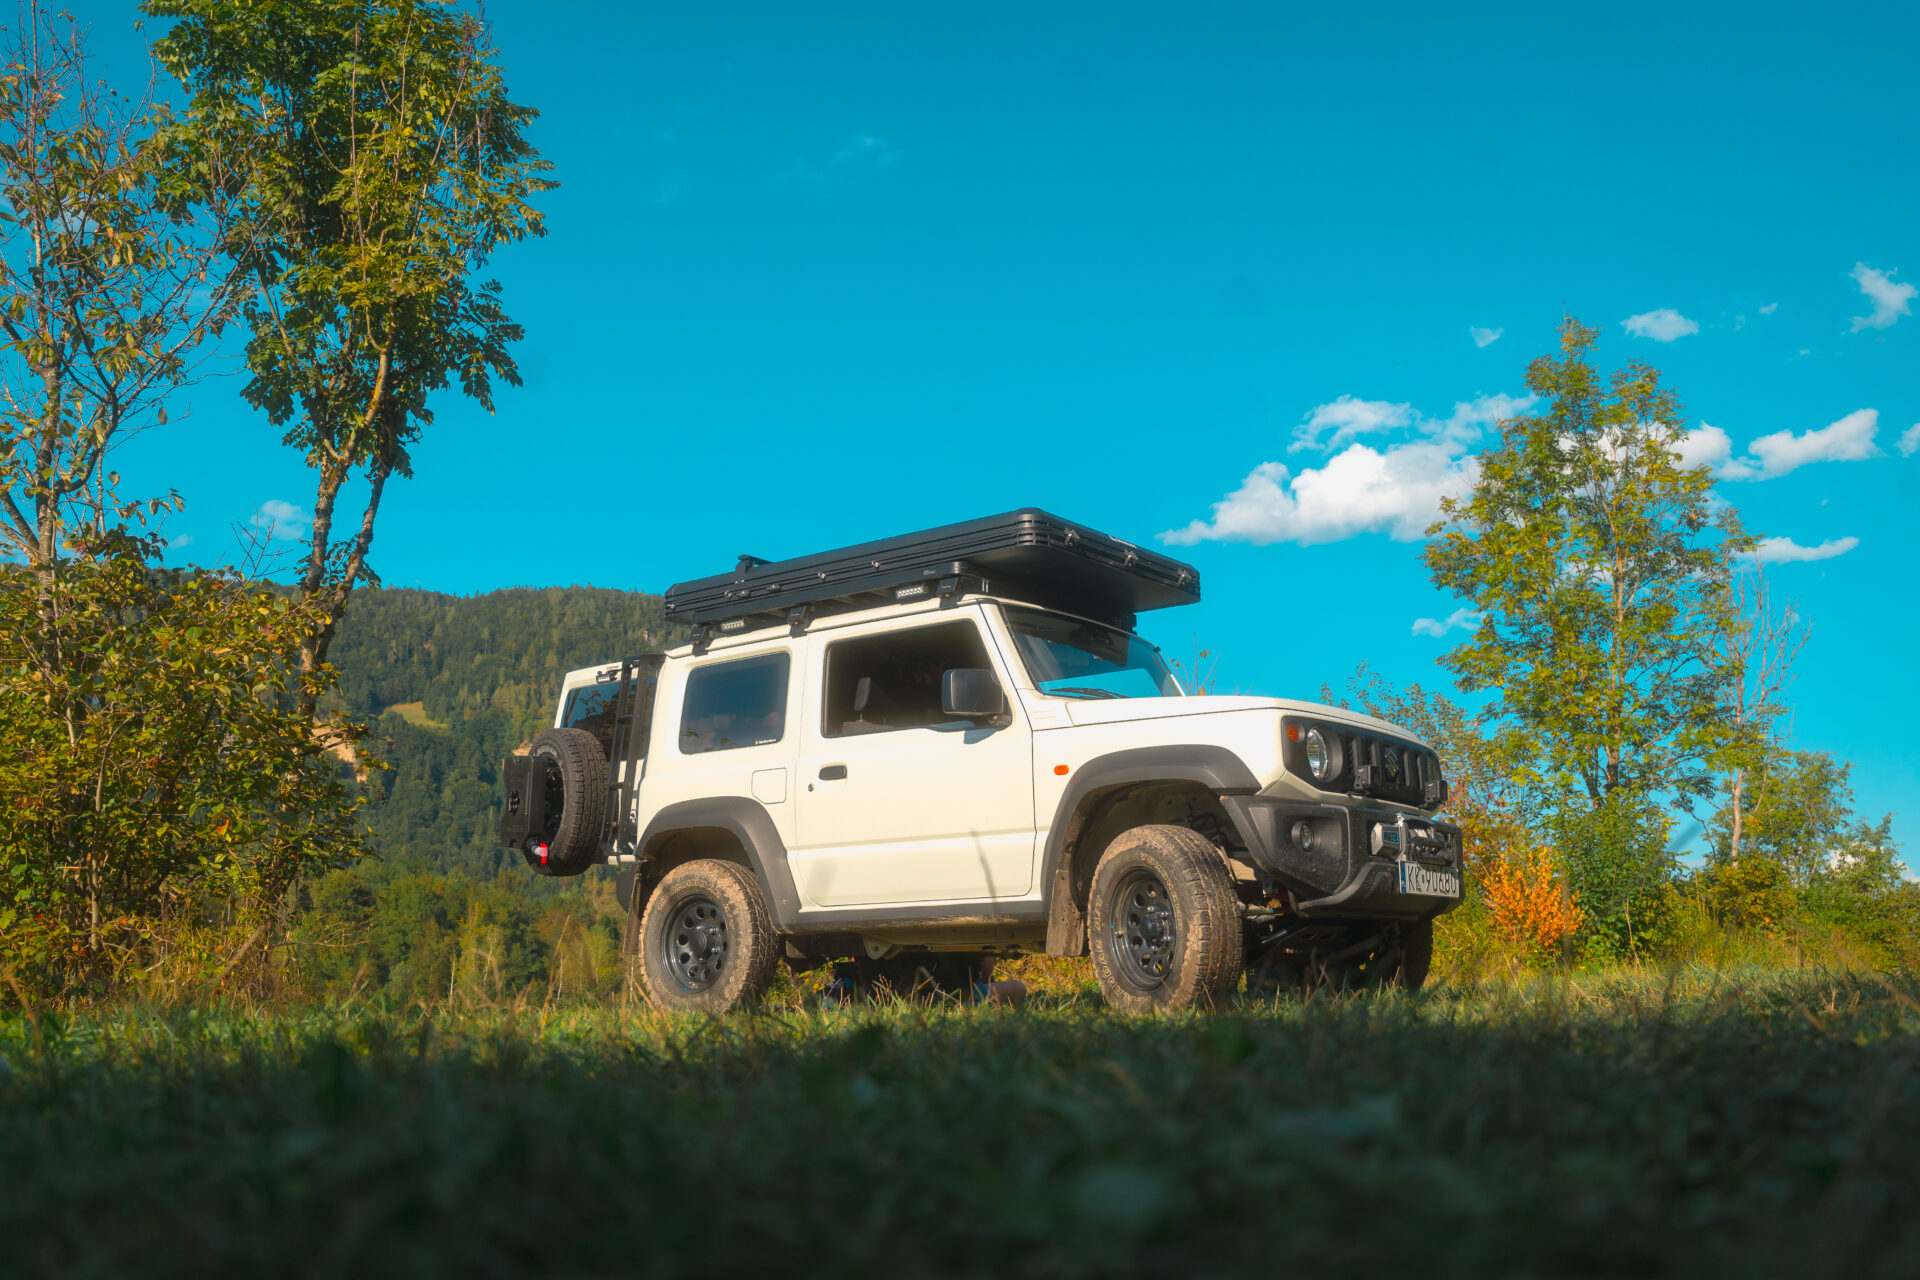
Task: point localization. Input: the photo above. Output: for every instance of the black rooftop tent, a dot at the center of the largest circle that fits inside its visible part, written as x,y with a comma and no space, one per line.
1028,554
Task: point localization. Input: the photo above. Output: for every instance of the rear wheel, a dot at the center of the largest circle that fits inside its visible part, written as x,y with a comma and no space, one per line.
1163,922
706,939
918,977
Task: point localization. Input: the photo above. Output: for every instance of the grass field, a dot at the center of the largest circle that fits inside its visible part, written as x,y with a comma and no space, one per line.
1745,1125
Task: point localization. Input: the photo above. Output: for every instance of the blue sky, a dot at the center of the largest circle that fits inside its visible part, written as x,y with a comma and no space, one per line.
822,273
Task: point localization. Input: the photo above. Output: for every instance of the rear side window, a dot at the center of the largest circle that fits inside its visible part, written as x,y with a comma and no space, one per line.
592,707
735,704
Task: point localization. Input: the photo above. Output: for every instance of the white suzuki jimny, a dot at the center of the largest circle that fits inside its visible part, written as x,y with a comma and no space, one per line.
942,747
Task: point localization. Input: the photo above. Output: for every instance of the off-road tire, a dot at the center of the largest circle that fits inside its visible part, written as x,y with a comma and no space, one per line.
923,977
1277,979
1201,961
1416,956
685,964
1401,963
575,756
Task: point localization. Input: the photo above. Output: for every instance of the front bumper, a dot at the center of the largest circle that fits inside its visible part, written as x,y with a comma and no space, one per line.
1351,868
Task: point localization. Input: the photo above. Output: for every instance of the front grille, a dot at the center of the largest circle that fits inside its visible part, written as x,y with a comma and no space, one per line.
1404,780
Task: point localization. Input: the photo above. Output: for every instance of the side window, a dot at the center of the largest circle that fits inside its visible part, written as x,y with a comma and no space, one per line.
735,704
892,681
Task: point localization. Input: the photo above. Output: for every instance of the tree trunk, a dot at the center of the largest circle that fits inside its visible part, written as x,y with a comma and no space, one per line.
1738,786
334,593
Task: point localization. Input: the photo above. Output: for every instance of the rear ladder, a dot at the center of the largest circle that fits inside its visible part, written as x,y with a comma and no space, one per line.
639,678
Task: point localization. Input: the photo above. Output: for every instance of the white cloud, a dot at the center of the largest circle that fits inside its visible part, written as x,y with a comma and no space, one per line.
184,540
1484,337
1706,445
1469,416
1848,440
1889,299
1347,419
1910,441
1362,489
1464,619
1787,551
282,520
670,187
1769,309
1663,325
866,149
862,150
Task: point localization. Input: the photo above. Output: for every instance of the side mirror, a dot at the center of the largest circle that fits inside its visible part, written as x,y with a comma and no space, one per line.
971,693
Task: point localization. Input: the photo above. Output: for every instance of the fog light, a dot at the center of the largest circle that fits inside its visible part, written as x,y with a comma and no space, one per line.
1303,835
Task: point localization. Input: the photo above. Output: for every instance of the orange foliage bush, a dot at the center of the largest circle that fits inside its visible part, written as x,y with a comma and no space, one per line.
1530,902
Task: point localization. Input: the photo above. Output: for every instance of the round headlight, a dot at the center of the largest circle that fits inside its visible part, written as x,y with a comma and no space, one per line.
1319,759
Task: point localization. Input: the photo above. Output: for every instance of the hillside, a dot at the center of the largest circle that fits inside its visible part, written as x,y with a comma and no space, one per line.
452,684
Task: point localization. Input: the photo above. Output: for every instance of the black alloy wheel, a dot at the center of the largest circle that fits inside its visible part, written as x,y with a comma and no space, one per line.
1143,937
1163,925
704,939
693,946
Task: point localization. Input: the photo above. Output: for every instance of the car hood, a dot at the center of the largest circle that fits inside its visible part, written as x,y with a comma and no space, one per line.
1119,710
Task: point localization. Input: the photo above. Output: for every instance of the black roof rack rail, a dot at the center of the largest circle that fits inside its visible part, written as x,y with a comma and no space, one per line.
1029,554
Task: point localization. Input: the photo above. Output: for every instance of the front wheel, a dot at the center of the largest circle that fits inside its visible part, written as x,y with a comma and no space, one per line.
1162,922
706,939
1416,956
1400,963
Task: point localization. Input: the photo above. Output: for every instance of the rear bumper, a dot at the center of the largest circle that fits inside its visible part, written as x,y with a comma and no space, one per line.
1350,868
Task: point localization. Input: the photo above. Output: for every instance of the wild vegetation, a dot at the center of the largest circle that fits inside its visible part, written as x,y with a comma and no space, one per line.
1693,1124
275,1001
336,177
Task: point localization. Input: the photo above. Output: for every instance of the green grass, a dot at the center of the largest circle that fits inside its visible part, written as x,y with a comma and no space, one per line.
415,714
1751,1125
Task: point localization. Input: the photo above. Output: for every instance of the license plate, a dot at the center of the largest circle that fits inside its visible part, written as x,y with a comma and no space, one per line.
1429,882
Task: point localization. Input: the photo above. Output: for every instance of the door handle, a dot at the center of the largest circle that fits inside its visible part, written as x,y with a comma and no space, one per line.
832,772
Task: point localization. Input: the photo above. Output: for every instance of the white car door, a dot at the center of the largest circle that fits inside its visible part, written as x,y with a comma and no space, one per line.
898,804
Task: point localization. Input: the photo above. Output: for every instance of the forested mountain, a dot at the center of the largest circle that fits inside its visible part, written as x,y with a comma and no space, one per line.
452,684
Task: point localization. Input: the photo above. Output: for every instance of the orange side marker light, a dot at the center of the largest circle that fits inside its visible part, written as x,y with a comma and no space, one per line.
1060,769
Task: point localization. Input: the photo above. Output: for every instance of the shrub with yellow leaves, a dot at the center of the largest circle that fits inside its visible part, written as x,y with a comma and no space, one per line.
1529,899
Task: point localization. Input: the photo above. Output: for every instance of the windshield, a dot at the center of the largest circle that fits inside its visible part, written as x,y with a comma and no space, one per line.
1073,658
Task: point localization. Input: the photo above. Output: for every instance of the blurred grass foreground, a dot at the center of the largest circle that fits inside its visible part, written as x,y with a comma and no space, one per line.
1694,1124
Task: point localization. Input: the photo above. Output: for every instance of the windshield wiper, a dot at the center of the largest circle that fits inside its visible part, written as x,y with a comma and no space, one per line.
1084,691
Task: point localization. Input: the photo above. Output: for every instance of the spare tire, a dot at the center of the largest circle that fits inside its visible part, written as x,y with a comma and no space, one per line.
576,770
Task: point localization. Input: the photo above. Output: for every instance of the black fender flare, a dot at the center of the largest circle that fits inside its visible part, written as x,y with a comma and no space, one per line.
1212,766
749,823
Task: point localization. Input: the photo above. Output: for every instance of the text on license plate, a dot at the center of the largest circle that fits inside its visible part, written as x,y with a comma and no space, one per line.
1429,882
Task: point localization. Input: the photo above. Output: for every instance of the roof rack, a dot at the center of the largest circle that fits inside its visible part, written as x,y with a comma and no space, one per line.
1028,553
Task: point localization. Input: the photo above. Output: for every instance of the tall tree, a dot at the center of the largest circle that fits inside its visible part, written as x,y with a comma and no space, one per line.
152,761
107,289
1600,568
376,163
1755,653
1797,811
